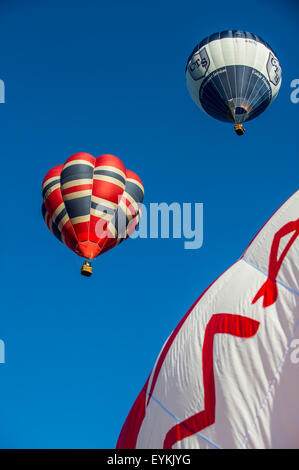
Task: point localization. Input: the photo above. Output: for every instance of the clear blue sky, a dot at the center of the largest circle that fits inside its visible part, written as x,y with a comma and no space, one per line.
108,77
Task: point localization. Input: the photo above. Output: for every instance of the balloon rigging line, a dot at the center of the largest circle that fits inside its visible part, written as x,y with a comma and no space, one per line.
290,289
180,421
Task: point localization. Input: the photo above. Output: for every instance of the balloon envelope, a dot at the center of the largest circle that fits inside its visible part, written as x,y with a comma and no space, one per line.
227,377
233,76
91,204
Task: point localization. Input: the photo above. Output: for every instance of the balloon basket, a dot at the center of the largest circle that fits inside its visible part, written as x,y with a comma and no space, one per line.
239,129
86,269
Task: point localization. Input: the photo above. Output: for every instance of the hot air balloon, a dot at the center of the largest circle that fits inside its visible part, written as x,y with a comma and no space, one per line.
227,376
233,76
91,204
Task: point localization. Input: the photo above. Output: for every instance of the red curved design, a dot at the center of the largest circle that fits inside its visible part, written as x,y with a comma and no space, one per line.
235,325
269,289
130,430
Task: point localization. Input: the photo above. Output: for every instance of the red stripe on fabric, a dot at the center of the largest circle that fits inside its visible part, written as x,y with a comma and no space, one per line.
130,430
99,232
129,205
52,202
106,190
70,237
269,290
82,230
109,192
130,174
55,171
110,160
223,323
92,228
74,189
132,226
107,244
81,156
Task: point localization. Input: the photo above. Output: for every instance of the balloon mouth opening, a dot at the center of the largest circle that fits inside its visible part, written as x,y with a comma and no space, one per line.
88,249
239,110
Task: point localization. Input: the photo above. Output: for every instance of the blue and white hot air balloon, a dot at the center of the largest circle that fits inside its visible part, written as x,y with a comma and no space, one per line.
233,76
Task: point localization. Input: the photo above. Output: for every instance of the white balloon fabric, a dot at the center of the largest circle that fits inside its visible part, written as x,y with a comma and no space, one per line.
233,75
228,375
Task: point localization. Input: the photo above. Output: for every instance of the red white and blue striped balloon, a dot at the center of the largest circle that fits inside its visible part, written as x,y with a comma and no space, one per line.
233,75
91,204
